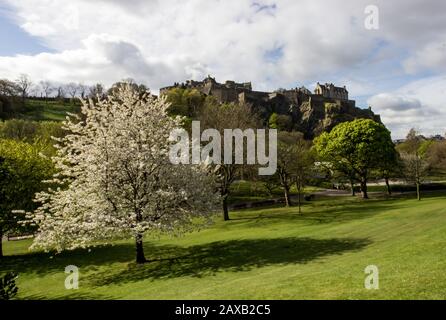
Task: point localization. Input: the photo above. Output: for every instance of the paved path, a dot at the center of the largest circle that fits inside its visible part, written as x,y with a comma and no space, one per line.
325,193
268,202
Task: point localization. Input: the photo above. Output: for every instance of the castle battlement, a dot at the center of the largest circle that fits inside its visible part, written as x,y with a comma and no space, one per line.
310,112
230,90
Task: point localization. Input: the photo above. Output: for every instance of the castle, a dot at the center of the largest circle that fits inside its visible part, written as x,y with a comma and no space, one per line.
309,112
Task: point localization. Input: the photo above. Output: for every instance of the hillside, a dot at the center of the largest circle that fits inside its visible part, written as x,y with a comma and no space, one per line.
44,110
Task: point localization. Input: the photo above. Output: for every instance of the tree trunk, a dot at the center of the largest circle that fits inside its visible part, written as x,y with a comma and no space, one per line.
352,187
287,196
389,191
364,189
1,244
299,202
418,191
140,258
225,208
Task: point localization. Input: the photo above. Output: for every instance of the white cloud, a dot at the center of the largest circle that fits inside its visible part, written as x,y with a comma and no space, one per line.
420,104
274,44
391,102
226,38
102,58
432,57
231,38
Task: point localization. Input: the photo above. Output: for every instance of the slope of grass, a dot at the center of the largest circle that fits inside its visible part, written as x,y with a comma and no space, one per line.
271,253
52,110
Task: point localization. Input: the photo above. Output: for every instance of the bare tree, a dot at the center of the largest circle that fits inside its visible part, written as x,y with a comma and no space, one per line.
46,87
82,90
415,168
303,166
285,161
60,92
72,89
24,84
96,90
415,165
8,88
221,117
436,155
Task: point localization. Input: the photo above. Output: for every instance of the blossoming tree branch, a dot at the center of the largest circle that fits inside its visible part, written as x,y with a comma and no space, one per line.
114,178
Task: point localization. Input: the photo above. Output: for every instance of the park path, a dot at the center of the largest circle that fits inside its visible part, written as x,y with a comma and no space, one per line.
268,202
324,193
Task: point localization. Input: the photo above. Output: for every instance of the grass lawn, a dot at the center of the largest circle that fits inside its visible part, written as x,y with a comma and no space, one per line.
49,110
271,253
247,191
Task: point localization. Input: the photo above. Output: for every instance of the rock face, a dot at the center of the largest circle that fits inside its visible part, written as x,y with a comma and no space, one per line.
315,116
310,113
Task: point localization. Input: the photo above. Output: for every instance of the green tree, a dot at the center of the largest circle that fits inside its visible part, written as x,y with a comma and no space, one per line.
22,170
185,102
280,122
272,121
358,146
413,153
9,93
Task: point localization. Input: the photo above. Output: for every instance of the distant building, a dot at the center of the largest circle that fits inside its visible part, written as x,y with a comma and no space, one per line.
437,137
398,141
329,90
223,92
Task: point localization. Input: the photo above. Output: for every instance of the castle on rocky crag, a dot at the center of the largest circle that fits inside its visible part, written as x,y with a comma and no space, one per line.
308,112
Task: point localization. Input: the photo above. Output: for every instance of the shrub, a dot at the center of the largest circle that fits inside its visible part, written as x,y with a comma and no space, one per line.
8,287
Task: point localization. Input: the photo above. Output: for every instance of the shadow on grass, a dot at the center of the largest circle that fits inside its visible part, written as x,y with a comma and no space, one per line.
170,261
71,296
41,263
322,212
233,256
313,214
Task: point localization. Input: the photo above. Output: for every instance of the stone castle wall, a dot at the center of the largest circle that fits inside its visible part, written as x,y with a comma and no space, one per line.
311,113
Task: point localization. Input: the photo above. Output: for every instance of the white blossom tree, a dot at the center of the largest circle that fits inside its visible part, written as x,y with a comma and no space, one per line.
115,178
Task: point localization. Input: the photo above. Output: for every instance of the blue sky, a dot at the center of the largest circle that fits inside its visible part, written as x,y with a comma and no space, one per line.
398,67
15,40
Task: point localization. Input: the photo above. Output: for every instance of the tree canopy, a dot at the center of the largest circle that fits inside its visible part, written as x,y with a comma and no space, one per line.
22,170
358,146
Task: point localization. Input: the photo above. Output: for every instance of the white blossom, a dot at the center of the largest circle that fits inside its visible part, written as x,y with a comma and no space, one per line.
115,179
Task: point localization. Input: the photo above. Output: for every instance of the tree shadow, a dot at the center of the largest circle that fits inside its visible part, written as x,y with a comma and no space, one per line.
43,263
325,213
233,256
70,296
343,213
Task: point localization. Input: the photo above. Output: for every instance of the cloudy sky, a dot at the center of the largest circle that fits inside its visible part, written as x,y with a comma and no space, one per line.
398,69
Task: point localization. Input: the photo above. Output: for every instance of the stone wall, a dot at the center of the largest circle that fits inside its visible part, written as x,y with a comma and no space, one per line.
310,113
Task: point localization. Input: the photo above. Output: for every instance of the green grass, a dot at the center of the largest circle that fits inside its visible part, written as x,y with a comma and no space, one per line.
271,253
49,110
246,191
